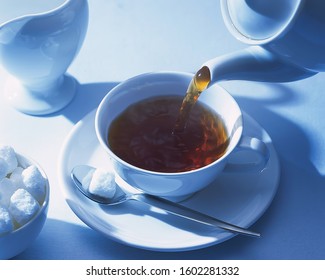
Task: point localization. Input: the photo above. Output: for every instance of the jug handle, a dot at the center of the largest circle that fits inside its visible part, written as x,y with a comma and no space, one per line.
254,64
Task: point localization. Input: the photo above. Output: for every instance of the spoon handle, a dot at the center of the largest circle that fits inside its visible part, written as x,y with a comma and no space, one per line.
191,214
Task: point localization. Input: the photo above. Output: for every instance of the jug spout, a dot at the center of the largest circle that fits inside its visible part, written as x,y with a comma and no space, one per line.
9,30
254,64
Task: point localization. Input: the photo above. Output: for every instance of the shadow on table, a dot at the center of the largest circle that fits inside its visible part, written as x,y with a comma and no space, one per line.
87,99
64,241
295,218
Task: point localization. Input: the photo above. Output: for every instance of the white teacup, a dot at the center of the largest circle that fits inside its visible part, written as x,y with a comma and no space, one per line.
178,185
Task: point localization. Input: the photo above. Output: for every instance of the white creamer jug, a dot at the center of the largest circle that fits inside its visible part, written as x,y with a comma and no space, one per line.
38,41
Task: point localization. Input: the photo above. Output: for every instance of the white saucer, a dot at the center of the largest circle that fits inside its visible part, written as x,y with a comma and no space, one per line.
239,198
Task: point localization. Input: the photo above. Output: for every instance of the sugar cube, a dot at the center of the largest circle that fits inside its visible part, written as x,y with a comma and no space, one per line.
8,154
23,206
6,224
22,190
102,183
34,182
16,177
7,188
4,167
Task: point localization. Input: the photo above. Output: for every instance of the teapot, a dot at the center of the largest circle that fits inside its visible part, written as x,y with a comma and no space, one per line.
285,38
38,41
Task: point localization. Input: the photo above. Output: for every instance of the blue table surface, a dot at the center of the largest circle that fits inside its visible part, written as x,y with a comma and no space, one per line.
126,38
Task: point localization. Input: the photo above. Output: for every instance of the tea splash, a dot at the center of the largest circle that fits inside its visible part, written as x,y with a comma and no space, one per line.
199,83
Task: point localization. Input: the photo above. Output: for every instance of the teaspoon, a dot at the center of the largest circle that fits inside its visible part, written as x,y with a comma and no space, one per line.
79,172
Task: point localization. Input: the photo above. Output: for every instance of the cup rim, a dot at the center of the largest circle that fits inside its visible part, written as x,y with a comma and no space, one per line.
251,41
142,170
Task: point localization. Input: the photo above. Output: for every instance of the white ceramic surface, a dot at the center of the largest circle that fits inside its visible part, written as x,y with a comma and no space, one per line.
239,198
38,42
286,38
176,185
15,242
259,22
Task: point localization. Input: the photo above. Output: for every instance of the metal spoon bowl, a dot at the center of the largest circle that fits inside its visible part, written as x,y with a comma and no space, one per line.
79,172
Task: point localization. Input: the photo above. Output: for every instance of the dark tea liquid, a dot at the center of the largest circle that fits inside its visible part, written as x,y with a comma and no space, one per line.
143,135
199,83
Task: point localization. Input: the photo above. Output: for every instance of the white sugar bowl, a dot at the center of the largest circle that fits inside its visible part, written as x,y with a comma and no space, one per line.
23,217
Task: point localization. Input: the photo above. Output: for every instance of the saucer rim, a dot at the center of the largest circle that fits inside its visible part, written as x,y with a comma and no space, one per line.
64,179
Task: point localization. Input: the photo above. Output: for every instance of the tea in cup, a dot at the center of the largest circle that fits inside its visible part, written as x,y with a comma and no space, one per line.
135,126
144,136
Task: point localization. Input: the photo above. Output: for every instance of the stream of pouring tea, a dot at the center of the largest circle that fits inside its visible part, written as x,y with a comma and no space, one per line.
199,83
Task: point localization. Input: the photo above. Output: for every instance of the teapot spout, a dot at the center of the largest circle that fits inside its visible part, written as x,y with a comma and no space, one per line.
254,64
